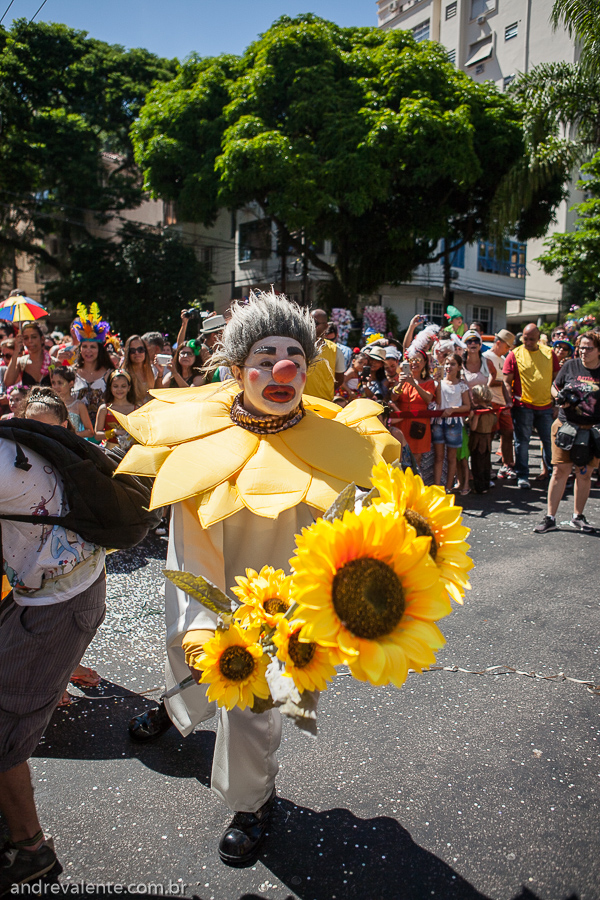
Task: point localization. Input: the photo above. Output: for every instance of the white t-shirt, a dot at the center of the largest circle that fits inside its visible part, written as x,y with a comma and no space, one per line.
496,389
451,398
43,564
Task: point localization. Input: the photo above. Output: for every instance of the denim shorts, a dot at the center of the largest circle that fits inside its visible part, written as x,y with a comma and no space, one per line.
449,433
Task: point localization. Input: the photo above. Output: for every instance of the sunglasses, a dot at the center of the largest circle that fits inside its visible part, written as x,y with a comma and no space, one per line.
137,350
6,355
473,341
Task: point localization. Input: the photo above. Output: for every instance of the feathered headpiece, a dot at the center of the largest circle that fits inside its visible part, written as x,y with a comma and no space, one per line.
421,342
89,324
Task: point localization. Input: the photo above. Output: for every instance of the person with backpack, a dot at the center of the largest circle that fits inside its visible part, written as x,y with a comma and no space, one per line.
47,621
60,506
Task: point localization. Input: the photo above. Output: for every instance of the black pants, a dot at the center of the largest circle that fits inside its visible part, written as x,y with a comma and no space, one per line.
480,448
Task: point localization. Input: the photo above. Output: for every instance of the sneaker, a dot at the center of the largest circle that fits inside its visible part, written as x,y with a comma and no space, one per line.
548,523
523,483
581,524
503,472
22,866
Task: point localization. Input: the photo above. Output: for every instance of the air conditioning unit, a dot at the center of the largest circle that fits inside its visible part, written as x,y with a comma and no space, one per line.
393,6
481,20
454,274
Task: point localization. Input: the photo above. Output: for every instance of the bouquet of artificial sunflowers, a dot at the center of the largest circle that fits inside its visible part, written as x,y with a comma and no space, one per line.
365,590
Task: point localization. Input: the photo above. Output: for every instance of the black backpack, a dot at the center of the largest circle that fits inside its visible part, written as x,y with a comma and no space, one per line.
105,509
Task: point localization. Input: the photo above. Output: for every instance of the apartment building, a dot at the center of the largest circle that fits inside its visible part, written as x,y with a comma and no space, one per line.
490,40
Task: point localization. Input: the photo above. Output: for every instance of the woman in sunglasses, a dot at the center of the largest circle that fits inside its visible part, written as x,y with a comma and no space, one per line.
138,366
184,370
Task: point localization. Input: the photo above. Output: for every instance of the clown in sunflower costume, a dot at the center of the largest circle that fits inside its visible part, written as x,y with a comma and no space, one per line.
245,465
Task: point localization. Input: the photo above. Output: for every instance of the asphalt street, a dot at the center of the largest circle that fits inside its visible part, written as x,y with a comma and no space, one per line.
460,786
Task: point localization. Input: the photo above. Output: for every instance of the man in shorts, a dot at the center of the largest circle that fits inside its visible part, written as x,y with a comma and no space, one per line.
53,601
577,390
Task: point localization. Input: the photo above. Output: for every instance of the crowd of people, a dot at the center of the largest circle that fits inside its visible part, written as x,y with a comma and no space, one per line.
443,393
446,392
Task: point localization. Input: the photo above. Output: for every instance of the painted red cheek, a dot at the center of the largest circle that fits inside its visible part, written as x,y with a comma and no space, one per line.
303,377
253,375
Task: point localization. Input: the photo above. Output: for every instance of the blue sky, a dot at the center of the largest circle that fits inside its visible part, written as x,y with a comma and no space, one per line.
176,27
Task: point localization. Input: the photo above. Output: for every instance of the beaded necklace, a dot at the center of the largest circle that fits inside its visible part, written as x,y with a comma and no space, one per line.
263,424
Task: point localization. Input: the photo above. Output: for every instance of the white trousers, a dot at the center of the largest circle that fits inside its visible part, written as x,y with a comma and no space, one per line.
245,759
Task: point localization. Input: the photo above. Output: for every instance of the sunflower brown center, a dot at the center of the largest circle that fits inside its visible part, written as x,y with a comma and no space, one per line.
423,529
236,663
300,653
275,605
368,597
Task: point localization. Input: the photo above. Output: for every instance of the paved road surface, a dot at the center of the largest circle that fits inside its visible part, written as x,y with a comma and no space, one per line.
458,786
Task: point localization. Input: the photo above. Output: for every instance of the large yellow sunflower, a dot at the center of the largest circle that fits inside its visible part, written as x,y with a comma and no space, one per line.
265,595
432,513
233,665
367,587
307,663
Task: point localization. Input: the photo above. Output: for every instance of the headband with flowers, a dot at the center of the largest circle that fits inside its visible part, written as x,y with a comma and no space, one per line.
89,325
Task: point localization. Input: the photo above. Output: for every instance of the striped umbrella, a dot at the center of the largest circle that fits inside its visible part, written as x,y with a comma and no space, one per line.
22,309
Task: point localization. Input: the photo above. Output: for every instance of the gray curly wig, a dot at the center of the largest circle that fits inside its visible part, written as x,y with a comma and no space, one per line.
263,315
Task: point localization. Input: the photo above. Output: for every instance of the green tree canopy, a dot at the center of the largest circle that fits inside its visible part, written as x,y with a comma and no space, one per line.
140,282
65,99
576,255
357,135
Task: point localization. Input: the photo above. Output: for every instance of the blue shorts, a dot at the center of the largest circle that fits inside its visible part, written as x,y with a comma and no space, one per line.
449,433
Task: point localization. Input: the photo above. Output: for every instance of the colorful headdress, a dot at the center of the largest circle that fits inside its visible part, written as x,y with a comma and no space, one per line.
89,325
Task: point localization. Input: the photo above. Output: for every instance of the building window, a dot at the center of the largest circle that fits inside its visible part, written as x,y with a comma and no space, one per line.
482,8
433,309
480,51
421,32
169,217
511,31
452,57
480,69
451,10
457,257
207,257
255,240
483,314
511,262
508,81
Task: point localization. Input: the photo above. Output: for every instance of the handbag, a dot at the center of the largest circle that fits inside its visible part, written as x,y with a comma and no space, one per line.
581,452
565,436
417,430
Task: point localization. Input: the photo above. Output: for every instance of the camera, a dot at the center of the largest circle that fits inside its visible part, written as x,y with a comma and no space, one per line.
193,314
163,359
569,397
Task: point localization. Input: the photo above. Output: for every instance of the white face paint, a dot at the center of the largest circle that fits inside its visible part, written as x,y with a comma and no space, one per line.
273,376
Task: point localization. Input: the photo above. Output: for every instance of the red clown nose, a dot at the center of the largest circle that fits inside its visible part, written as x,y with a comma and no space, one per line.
284,371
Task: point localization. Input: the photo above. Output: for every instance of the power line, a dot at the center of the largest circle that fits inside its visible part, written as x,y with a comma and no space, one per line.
37,11
6,10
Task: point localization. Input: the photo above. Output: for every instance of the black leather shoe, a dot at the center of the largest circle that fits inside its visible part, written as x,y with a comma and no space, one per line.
150,725
242,838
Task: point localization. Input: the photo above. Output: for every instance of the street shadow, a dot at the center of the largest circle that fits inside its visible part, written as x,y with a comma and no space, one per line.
95,728
121,562
319,855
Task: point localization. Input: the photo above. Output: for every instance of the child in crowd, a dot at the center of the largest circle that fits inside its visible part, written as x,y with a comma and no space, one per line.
120,396
452,397
62,379
17,395
483,421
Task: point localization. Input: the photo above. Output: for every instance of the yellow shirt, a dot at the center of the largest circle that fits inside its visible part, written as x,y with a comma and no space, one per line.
320,380
536,374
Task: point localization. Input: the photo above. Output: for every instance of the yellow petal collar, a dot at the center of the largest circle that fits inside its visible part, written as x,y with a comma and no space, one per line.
187,440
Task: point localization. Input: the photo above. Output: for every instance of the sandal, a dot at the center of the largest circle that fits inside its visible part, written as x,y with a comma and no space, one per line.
65,700
84,676
465,491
